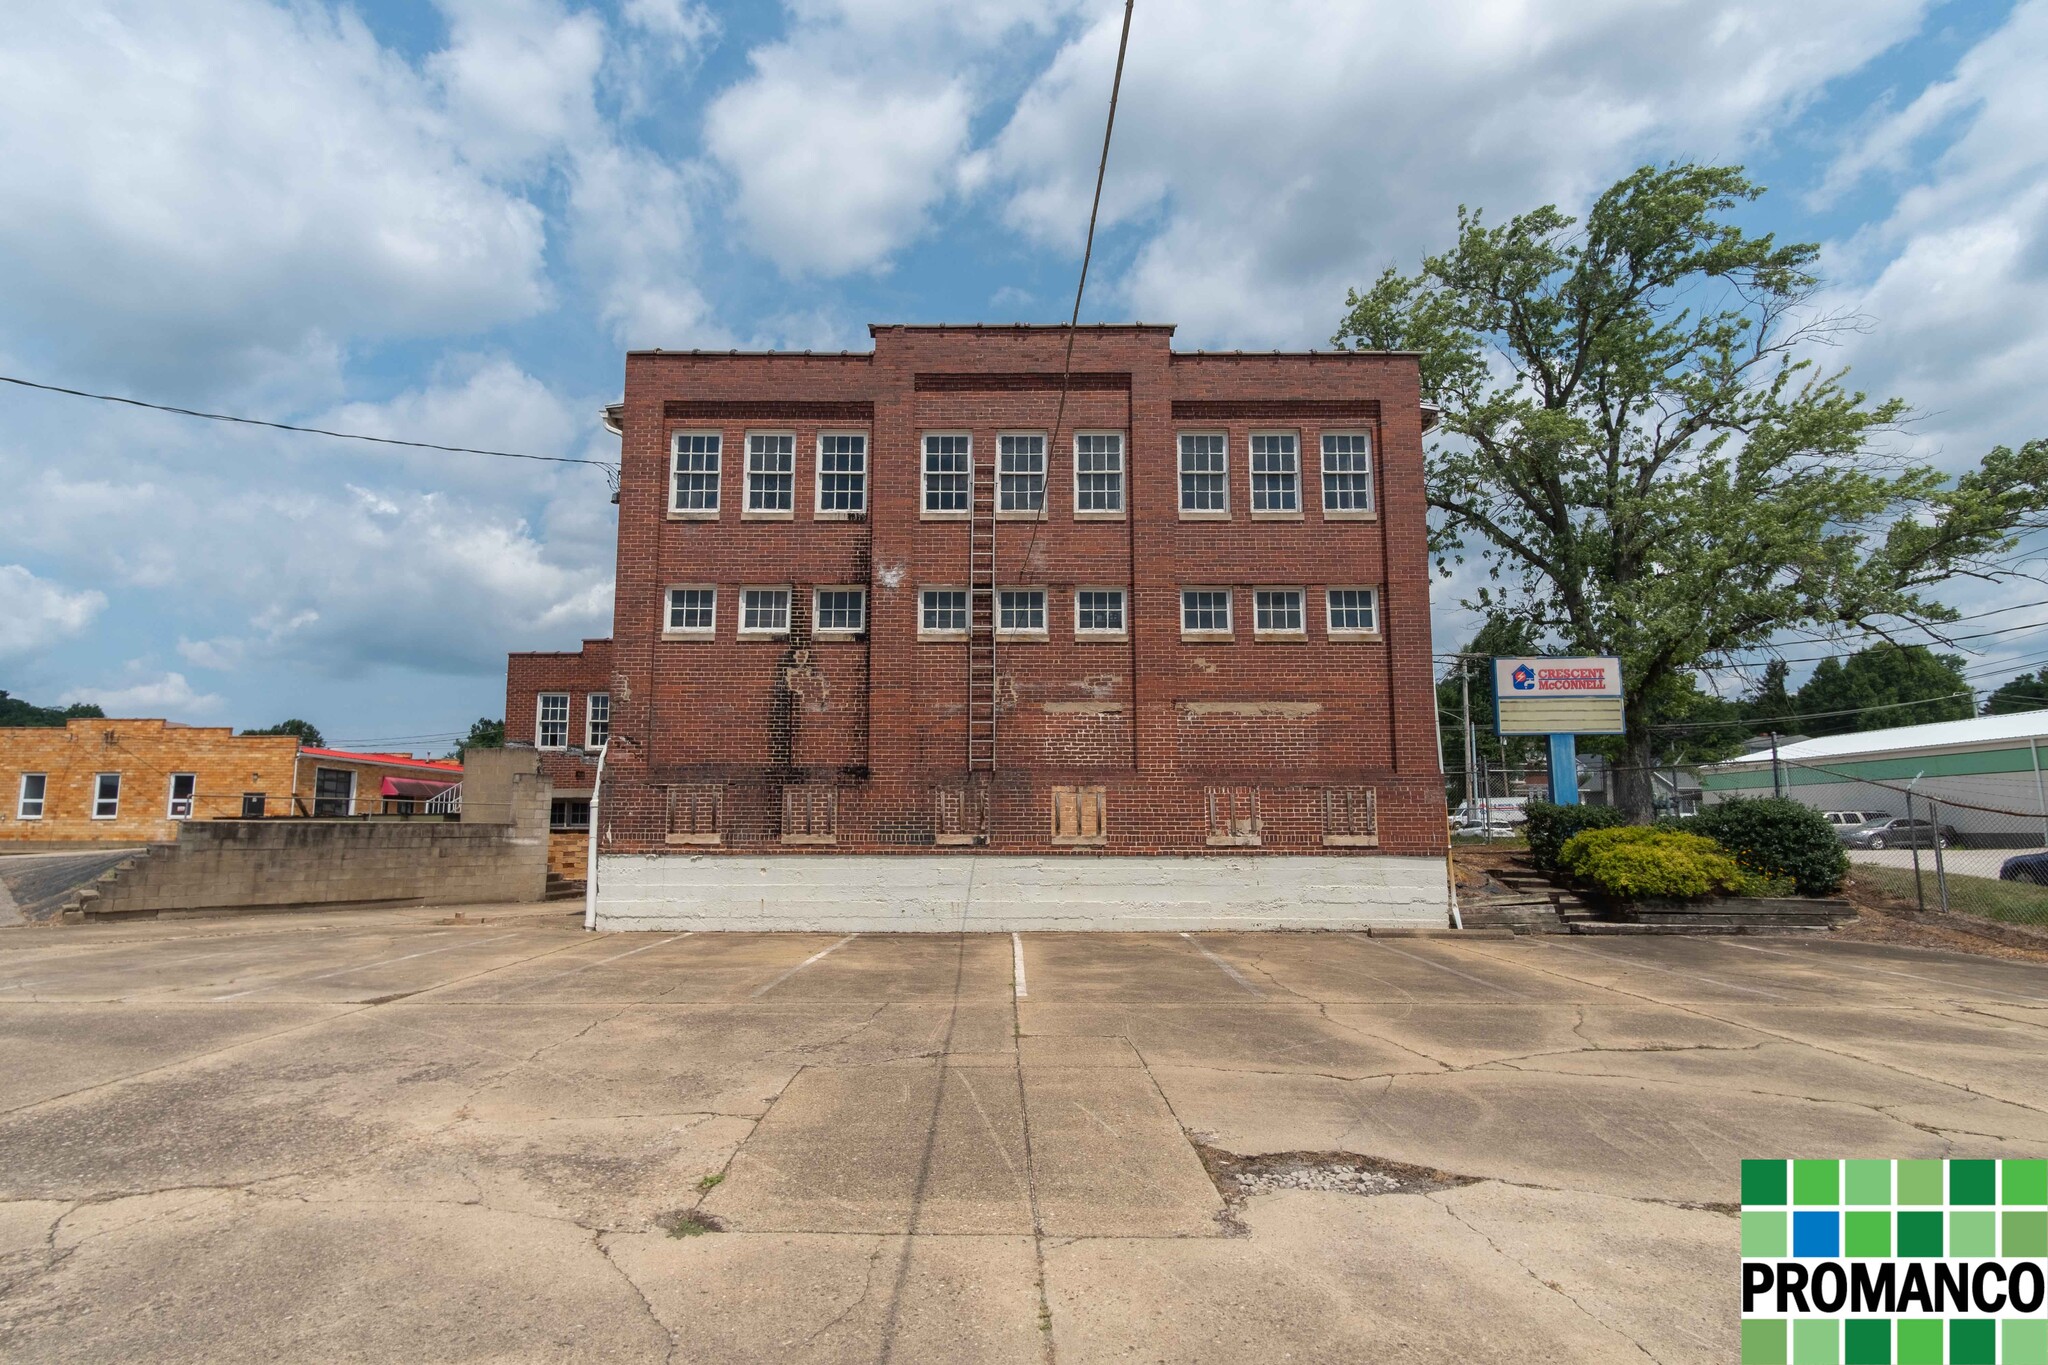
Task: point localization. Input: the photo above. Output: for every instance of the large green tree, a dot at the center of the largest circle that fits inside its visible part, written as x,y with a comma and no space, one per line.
1879,687
1637,445
2027,692
306,730
16,712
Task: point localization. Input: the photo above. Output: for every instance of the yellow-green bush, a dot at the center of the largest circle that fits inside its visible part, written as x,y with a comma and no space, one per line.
1635,863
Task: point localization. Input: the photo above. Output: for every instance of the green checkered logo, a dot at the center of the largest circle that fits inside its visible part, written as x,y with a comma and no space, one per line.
1894,1262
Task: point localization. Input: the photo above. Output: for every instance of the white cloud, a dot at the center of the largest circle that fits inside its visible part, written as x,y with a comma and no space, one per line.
39,612
633,234
1268,156
168,696
873,98
1955,280
680,21
518,77
228,189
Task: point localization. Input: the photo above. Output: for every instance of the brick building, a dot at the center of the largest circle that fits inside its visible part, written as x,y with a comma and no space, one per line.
560,703
898,643
138,781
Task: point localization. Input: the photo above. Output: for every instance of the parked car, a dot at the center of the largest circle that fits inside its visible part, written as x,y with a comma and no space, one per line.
2027,867
1899,833
1850,819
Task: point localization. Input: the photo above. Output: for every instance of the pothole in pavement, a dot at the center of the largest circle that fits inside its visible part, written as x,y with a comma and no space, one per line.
1239,1177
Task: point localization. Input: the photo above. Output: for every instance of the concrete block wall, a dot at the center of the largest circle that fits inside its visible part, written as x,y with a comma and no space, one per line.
239,865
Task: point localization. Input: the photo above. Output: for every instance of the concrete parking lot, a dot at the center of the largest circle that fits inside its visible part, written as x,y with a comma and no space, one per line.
393,1137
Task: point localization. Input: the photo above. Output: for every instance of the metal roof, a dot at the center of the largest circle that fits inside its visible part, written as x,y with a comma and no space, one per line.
2021,728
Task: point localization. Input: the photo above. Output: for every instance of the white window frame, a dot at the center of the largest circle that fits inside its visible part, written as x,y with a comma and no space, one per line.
1180,477
99,781
1123,477
22,798
818,507
1229,628
171,802
823,632
925,510
1337,632
1037,632
675,471
672,631
1043,509
748,511
764,632
1370,512
591,721
540,720
966,608
1252,475
1298,632
1103,634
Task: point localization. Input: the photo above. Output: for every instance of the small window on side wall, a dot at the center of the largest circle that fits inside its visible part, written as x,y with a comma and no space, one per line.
1079,815
106,796
1347,474
694,492
942,611
692,611
184,789
842,474
551,721
597,721
1354,613
35,788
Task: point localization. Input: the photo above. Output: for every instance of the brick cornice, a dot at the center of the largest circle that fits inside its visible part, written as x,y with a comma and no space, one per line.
766,410
1022,381
1320,409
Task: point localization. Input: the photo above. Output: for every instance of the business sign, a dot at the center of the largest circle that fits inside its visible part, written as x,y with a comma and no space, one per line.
1557,696
1896,1261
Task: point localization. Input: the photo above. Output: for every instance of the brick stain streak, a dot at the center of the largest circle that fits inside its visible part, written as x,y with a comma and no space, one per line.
725,723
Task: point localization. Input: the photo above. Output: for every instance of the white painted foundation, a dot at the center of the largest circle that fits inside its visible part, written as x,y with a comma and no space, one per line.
988,893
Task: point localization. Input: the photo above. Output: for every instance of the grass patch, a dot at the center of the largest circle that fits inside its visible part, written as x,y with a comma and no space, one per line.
1984,897
710,1182
688,1223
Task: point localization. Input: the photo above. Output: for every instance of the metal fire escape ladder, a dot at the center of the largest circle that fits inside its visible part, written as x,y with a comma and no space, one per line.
981,616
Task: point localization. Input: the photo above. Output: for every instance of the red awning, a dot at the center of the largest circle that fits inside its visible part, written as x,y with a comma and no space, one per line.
417,788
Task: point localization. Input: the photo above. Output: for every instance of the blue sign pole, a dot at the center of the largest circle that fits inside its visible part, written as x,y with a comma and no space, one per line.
1564,770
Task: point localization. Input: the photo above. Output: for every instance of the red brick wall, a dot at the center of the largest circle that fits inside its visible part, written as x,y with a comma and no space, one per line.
1155,720
579,674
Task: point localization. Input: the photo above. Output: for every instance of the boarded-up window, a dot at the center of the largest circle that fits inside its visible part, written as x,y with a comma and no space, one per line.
1233,815
696,813
1351,816
810,815
1078,816
959,815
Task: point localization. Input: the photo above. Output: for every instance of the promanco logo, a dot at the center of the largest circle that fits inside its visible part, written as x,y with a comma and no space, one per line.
1899,1262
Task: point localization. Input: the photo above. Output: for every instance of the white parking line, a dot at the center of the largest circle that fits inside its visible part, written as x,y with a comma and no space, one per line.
1668,971
1233,973
1427,962
643,948
763,990
1910,976
364,967
1017,956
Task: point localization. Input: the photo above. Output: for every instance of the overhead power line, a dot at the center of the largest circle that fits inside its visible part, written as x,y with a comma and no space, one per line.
609,468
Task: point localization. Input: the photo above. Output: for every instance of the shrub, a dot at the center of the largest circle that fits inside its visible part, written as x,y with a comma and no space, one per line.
1631,863
1775,838
1550,826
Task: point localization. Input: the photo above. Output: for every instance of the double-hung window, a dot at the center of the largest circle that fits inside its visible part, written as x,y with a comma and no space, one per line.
696,468
764,611
597,721
842,474
1347,473
1099,611
1205,611
1020,611
1276,473
1099,474
1020,474
1353,611
551,721
35,788
839,611
771,475
184,787
948,466
1204,474
942,611
106,796
1277,611
692,611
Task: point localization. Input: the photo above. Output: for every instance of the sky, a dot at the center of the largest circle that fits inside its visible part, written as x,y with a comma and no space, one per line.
446,222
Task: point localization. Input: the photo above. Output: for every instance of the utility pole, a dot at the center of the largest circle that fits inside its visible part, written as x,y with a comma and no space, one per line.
1465,682
1777,782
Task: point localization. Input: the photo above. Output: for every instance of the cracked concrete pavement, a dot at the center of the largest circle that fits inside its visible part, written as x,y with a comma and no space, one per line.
389,1135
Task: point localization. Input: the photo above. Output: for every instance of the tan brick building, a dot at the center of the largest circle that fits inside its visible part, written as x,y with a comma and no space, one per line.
137,781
